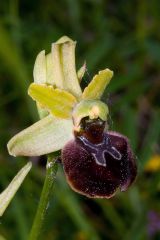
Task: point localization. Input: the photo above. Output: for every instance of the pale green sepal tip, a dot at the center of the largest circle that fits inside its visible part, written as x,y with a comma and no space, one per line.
7,195
48,135
90,108
64,39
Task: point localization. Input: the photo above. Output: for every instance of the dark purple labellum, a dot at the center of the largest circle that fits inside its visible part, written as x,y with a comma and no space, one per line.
96,162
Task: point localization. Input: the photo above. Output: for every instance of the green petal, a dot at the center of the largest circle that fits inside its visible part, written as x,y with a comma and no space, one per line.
7,195
59,102
63,54
45,136
97,86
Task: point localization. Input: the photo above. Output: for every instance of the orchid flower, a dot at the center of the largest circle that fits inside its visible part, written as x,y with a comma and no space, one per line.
96,161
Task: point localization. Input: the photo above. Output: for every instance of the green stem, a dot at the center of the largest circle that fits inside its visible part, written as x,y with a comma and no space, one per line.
51,169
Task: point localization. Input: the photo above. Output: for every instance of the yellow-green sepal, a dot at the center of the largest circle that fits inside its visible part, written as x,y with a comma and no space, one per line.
48,135
58,102
89,108
96,87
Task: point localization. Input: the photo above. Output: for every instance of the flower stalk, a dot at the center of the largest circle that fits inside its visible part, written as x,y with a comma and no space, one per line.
51,170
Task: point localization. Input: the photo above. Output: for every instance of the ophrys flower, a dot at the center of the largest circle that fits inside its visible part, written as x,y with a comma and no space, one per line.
96,161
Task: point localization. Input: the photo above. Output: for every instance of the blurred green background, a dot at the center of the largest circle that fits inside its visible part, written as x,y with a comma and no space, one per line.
122,35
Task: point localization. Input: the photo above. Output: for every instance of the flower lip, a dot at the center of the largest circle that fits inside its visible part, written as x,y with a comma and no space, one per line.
98,169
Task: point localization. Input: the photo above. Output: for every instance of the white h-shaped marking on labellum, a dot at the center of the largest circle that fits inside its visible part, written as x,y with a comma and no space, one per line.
98,150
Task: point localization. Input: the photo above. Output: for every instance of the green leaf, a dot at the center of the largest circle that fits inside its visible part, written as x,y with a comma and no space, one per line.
98,84
59,102
7,195
45,136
